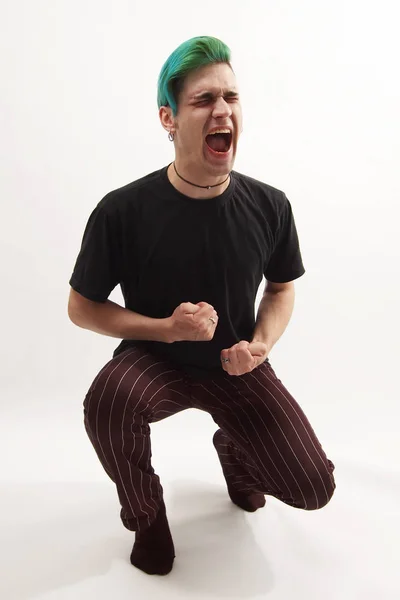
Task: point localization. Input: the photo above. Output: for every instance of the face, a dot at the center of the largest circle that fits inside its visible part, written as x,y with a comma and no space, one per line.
209,101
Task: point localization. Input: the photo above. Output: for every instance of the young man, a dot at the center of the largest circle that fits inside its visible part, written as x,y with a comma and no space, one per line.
189,245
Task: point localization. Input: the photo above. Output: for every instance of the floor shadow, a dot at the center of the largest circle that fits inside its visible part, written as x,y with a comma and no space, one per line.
60,534
217,553
57,534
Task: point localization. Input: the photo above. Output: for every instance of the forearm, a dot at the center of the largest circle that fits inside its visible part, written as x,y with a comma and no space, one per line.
273,316
113,320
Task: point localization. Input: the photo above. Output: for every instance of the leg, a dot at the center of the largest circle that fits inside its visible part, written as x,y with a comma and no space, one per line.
241,476
275,450
133,390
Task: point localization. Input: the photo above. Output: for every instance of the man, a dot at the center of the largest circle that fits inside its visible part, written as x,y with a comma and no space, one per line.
189,245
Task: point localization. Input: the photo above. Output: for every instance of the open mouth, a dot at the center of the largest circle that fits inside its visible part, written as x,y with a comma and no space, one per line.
219,141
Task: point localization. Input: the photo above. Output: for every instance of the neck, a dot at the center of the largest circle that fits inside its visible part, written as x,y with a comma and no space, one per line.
191,190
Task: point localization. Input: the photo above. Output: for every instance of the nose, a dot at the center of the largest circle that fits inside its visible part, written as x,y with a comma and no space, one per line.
221,108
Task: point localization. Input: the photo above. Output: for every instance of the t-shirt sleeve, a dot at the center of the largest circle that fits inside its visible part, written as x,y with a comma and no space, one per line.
97,268
285,262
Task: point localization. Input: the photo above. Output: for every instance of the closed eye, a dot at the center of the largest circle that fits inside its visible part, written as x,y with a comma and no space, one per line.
211,99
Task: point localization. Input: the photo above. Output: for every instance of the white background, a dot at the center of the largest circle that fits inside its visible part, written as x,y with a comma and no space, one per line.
320,93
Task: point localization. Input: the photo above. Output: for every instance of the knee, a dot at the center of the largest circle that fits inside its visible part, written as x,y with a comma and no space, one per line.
319,492
91,408
100,407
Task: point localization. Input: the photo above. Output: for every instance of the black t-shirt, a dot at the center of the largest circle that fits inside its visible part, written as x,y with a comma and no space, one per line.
164,248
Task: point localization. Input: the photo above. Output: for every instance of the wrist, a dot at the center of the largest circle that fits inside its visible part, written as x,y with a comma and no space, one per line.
263,340
167,331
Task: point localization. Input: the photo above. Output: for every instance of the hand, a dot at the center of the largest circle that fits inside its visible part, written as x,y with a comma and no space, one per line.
193,323
244,357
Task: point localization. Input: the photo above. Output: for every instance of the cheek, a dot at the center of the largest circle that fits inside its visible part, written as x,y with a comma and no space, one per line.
193,135
239,121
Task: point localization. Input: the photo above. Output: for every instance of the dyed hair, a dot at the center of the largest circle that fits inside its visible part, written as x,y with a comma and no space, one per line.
192,54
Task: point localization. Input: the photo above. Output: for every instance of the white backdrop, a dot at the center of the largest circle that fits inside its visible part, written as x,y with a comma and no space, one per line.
320,93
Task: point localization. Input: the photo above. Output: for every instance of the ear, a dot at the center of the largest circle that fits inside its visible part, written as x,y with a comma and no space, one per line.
166,118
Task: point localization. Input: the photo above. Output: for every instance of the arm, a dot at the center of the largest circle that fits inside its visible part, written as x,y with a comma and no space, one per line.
109,318
274,313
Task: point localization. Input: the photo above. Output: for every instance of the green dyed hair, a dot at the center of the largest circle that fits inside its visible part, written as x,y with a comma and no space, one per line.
192,54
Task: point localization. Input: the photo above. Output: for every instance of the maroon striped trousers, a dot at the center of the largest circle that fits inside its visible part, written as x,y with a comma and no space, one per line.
265,442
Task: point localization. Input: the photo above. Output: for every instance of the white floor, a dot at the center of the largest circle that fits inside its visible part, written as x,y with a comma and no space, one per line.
61,538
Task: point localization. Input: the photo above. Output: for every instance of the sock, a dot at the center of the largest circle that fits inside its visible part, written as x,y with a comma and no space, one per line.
153,551
249,502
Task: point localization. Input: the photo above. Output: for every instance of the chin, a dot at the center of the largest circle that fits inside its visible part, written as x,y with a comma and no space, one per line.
223,168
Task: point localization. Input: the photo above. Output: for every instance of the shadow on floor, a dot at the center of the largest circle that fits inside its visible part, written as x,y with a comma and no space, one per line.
59,534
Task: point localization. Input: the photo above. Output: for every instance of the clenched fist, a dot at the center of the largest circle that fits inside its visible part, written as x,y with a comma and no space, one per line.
193,323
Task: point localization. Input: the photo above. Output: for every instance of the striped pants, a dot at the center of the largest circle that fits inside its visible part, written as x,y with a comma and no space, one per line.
265,442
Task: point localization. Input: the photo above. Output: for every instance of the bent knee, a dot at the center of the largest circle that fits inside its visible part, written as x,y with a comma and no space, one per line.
101,407
318,494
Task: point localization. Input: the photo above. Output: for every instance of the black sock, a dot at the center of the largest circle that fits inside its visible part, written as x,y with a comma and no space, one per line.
153,551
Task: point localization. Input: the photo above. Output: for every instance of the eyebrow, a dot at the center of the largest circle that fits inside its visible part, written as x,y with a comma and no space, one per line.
210,95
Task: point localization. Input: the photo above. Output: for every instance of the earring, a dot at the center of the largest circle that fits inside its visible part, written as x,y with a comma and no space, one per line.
171,136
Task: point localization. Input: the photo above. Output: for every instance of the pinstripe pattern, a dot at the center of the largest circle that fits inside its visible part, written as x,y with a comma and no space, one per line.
265,442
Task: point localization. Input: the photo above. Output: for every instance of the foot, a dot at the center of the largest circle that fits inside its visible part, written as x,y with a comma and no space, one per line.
248,502
153,551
